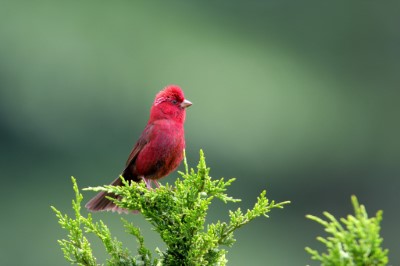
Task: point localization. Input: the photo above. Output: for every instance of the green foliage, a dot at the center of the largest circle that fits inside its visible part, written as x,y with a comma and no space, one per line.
355,243
177,213
77,248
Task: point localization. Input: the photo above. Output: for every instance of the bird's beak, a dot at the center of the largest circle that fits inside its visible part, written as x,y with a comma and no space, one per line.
186,103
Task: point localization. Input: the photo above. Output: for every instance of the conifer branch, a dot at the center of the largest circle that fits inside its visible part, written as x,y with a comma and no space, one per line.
352,241
177,213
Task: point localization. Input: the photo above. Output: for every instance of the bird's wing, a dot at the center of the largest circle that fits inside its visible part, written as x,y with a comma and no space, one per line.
143,140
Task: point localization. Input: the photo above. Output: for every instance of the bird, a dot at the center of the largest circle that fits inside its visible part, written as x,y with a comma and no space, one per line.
159,149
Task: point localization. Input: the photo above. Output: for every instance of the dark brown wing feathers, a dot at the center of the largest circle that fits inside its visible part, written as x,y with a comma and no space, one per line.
100,202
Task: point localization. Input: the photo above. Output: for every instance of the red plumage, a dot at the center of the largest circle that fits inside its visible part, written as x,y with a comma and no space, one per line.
159,149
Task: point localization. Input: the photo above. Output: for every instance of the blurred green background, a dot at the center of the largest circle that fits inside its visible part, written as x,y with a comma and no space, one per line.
300,98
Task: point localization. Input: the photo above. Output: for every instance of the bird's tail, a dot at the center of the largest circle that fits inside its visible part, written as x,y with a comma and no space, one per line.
101,203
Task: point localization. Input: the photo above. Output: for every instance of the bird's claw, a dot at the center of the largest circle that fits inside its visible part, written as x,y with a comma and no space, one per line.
148,181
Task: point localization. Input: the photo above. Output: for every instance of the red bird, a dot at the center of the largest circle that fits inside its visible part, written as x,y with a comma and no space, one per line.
159,149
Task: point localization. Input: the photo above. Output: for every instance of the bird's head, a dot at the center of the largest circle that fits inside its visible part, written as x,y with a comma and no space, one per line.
170,103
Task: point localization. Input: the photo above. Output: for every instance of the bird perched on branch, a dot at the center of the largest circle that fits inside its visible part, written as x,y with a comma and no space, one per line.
159,149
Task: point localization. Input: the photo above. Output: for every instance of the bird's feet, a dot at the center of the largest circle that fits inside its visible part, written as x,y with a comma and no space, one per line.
156,182
148,181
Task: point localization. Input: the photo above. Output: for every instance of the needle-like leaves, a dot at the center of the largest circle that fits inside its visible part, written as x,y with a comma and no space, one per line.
177,213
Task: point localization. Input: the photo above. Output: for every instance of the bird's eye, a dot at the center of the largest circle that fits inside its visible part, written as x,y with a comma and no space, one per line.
174,101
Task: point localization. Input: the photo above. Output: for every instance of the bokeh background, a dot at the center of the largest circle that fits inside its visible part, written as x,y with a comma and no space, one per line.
299,98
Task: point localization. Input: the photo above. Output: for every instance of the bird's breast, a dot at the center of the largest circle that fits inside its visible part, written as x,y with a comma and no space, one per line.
164,151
